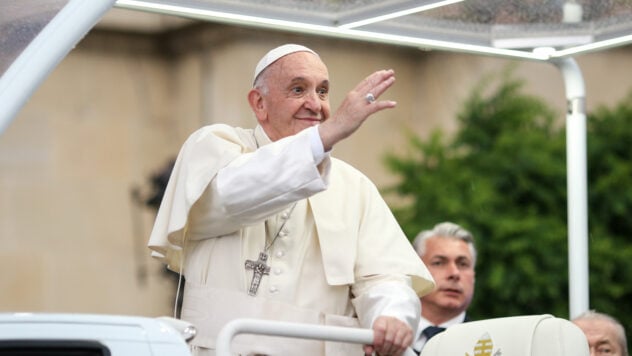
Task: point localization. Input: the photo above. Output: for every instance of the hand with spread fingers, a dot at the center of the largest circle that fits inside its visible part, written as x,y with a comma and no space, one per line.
358,105
391,337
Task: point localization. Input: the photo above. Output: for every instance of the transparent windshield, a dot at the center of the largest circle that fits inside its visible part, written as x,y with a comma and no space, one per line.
500,27
20,22
35,35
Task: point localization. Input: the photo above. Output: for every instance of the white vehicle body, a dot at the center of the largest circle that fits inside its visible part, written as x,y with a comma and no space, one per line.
92,335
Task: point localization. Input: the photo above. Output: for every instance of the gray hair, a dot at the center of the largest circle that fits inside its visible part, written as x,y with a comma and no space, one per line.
594,315
445,230
261,82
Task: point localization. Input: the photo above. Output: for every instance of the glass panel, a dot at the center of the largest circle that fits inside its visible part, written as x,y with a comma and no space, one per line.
495,24
20,22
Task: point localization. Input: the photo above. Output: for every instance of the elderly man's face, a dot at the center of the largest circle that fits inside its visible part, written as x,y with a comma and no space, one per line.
297,96
602,337
451,264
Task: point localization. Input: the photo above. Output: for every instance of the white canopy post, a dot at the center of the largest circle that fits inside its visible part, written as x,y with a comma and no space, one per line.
576,181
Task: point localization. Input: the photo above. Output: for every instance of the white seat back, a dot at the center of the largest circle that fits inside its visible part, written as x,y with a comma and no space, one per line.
531,335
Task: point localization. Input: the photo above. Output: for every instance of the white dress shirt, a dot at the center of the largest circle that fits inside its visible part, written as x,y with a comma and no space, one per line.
421,339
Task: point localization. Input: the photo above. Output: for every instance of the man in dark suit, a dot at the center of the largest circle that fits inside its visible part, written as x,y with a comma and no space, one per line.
449,253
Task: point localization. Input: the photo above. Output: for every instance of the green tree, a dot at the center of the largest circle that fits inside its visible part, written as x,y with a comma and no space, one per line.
610,205
502,175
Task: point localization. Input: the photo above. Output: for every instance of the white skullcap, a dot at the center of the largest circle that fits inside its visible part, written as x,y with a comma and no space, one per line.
274,54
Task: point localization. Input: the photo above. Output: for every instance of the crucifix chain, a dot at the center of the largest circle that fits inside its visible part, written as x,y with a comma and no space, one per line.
259,267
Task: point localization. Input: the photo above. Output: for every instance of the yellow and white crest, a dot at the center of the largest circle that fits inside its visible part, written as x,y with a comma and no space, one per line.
484,347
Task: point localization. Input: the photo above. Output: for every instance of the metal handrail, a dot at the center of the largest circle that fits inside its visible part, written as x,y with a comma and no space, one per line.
293,330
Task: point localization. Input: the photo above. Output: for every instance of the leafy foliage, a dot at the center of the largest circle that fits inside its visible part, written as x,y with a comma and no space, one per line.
610,202
503,177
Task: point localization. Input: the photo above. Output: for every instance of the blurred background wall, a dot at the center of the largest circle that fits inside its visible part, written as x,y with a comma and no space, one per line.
76,164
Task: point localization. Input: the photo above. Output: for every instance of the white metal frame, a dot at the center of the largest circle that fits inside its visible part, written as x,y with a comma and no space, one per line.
577,187
293,330
349,26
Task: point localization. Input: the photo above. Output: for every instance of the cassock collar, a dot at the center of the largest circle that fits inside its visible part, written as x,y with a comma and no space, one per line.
261,137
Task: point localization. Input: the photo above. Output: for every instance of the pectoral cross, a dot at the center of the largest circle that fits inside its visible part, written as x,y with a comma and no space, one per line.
259,268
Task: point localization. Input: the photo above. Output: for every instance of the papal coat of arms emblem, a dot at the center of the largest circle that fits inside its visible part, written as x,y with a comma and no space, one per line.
484,347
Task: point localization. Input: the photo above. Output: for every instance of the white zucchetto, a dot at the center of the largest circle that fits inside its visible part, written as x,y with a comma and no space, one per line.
274,54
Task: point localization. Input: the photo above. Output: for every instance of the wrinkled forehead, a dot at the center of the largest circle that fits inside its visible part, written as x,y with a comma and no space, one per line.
300,66
597,330
447,246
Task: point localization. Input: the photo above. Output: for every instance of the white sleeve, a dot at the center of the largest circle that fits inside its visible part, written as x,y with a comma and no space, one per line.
258,184
386,296
318,151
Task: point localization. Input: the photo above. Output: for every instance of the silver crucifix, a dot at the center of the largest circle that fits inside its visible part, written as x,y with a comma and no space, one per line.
259,268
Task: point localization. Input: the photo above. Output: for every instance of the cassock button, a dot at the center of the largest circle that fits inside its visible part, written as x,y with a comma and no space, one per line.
283,233
280,254
277,271
273,289
285,215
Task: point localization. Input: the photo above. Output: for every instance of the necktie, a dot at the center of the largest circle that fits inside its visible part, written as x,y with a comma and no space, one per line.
431,331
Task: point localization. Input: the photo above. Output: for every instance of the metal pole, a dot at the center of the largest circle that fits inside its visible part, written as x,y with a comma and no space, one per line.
576,185
294,330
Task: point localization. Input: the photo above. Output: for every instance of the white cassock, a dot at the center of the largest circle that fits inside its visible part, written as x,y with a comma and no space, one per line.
339,256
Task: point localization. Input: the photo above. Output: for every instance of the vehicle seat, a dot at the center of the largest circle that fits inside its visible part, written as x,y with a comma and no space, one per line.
530,335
